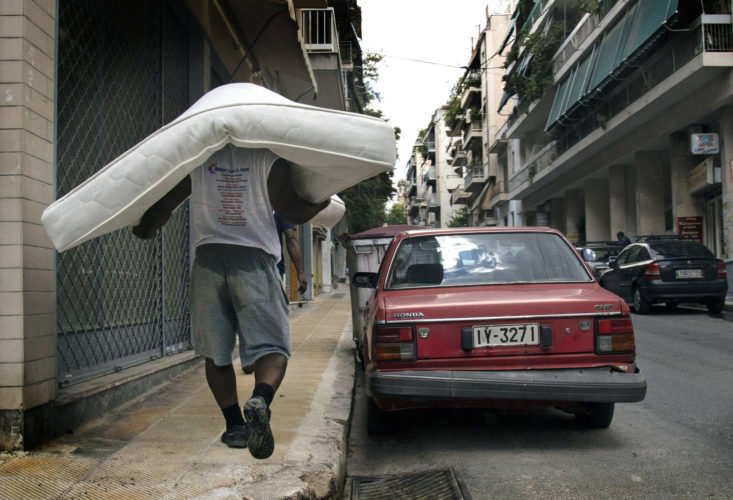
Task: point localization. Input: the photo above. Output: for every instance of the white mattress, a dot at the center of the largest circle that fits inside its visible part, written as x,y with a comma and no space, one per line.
332,151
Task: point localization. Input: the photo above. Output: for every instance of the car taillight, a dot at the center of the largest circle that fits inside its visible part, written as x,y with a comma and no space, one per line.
722,271
394,343
652,272
615,336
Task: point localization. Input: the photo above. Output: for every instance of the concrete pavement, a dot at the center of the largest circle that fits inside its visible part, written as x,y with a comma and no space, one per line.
165,444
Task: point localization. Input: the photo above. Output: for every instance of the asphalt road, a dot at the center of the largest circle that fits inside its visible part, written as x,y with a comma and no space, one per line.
677,443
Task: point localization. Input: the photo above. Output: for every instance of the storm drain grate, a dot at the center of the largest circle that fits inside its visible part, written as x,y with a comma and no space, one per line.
436,484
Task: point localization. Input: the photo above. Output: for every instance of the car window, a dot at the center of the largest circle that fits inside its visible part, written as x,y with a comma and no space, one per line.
633,256
623,257
674,249
600,254
484,258
643,255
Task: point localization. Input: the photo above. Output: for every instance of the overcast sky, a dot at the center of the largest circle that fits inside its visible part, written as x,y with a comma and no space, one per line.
434,31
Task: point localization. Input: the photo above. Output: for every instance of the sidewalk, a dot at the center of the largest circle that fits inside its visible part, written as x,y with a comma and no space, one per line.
165,444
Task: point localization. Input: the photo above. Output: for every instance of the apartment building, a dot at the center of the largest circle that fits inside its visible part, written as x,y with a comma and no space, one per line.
452,167
83,81
634,131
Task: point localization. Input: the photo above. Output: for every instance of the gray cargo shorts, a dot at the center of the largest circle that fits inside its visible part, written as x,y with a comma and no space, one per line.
236,290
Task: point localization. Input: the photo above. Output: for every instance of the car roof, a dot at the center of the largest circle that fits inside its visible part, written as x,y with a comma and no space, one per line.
492,229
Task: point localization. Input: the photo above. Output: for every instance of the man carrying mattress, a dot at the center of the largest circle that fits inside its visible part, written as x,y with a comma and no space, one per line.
235,287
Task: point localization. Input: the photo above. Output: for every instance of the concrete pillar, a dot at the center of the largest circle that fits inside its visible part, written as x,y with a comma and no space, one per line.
557,214
681,162
573,211
27,277
326,263
617,200
597,220
726,161
649,192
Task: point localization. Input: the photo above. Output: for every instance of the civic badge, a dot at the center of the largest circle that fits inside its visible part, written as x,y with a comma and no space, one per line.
603,307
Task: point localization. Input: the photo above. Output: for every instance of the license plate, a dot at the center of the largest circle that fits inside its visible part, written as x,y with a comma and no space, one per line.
506,335
688,273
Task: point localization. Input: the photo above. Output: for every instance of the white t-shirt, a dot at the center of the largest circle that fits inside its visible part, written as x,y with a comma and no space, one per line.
229,200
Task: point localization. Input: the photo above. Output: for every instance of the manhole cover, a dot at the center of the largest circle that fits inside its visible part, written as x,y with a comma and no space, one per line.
436,484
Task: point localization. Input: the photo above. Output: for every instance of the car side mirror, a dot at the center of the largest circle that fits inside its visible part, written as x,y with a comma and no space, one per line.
365,280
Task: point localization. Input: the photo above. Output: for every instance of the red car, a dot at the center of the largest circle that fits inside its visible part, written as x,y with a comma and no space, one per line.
494,317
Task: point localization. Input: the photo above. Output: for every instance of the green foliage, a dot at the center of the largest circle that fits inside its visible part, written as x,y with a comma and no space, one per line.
396,215
453,107
592,6
532,82
365,202
460,218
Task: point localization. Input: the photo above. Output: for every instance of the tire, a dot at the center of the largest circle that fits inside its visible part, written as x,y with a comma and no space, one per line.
596,415
715,306
377,420
641,306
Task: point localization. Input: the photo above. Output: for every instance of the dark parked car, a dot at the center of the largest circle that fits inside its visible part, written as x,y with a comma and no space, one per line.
667,269
597,255
494,317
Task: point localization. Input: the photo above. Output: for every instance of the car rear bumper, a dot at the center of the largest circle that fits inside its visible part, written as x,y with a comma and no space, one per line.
690,291
596,385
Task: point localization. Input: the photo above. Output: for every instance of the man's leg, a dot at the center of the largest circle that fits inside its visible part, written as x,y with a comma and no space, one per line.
223,385
269,373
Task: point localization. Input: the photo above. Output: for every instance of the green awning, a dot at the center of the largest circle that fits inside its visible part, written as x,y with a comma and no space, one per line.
631,36
512,27
557,104
651,16
504,99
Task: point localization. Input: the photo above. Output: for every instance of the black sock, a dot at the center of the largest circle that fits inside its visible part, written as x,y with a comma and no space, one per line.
233,415
265,391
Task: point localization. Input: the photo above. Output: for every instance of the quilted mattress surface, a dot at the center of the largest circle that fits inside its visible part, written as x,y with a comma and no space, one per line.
332,150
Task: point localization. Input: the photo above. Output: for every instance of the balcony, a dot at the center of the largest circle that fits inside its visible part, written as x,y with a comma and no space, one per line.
497,194
538,163
459,197
459,159
474,180
319,30
431,176
473,133
472,94
433,205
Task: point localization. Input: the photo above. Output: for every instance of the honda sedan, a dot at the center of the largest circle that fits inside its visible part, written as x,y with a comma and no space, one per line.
494,317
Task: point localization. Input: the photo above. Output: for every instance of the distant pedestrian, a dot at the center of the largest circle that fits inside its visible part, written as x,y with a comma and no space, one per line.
235,288
623,240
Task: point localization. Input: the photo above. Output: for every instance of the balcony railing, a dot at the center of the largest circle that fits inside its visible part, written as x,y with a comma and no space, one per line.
319,30
539,162
709,34
473,174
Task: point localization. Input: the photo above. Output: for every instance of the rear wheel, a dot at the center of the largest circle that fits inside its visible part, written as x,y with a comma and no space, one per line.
715,306
641,306
596,415
376,418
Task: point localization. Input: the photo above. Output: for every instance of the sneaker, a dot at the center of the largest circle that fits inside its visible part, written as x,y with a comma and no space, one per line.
236,436
261,444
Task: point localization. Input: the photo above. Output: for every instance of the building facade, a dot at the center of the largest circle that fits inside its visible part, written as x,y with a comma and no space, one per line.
635,132
83,81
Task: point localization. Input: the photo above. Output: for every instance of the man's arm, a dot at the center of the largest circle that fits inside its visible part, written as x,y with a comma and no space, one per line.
157,215
291,243
285,200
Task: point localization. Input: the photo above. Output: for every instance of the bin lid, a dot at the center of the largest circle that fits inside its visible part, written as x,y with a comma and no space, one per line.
382,232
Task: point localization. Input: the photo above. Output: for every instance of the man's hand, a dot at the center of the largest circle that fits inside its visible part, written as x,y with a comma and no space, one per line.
302,283
157,215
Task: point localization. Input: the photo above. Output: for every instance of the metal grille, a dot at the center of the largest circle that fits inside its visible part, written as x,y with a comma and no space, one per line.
122,74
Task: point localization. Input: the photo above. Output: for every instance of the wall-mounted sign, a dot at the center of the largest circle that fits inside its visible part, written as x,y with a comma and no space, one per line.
704,144
690,226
